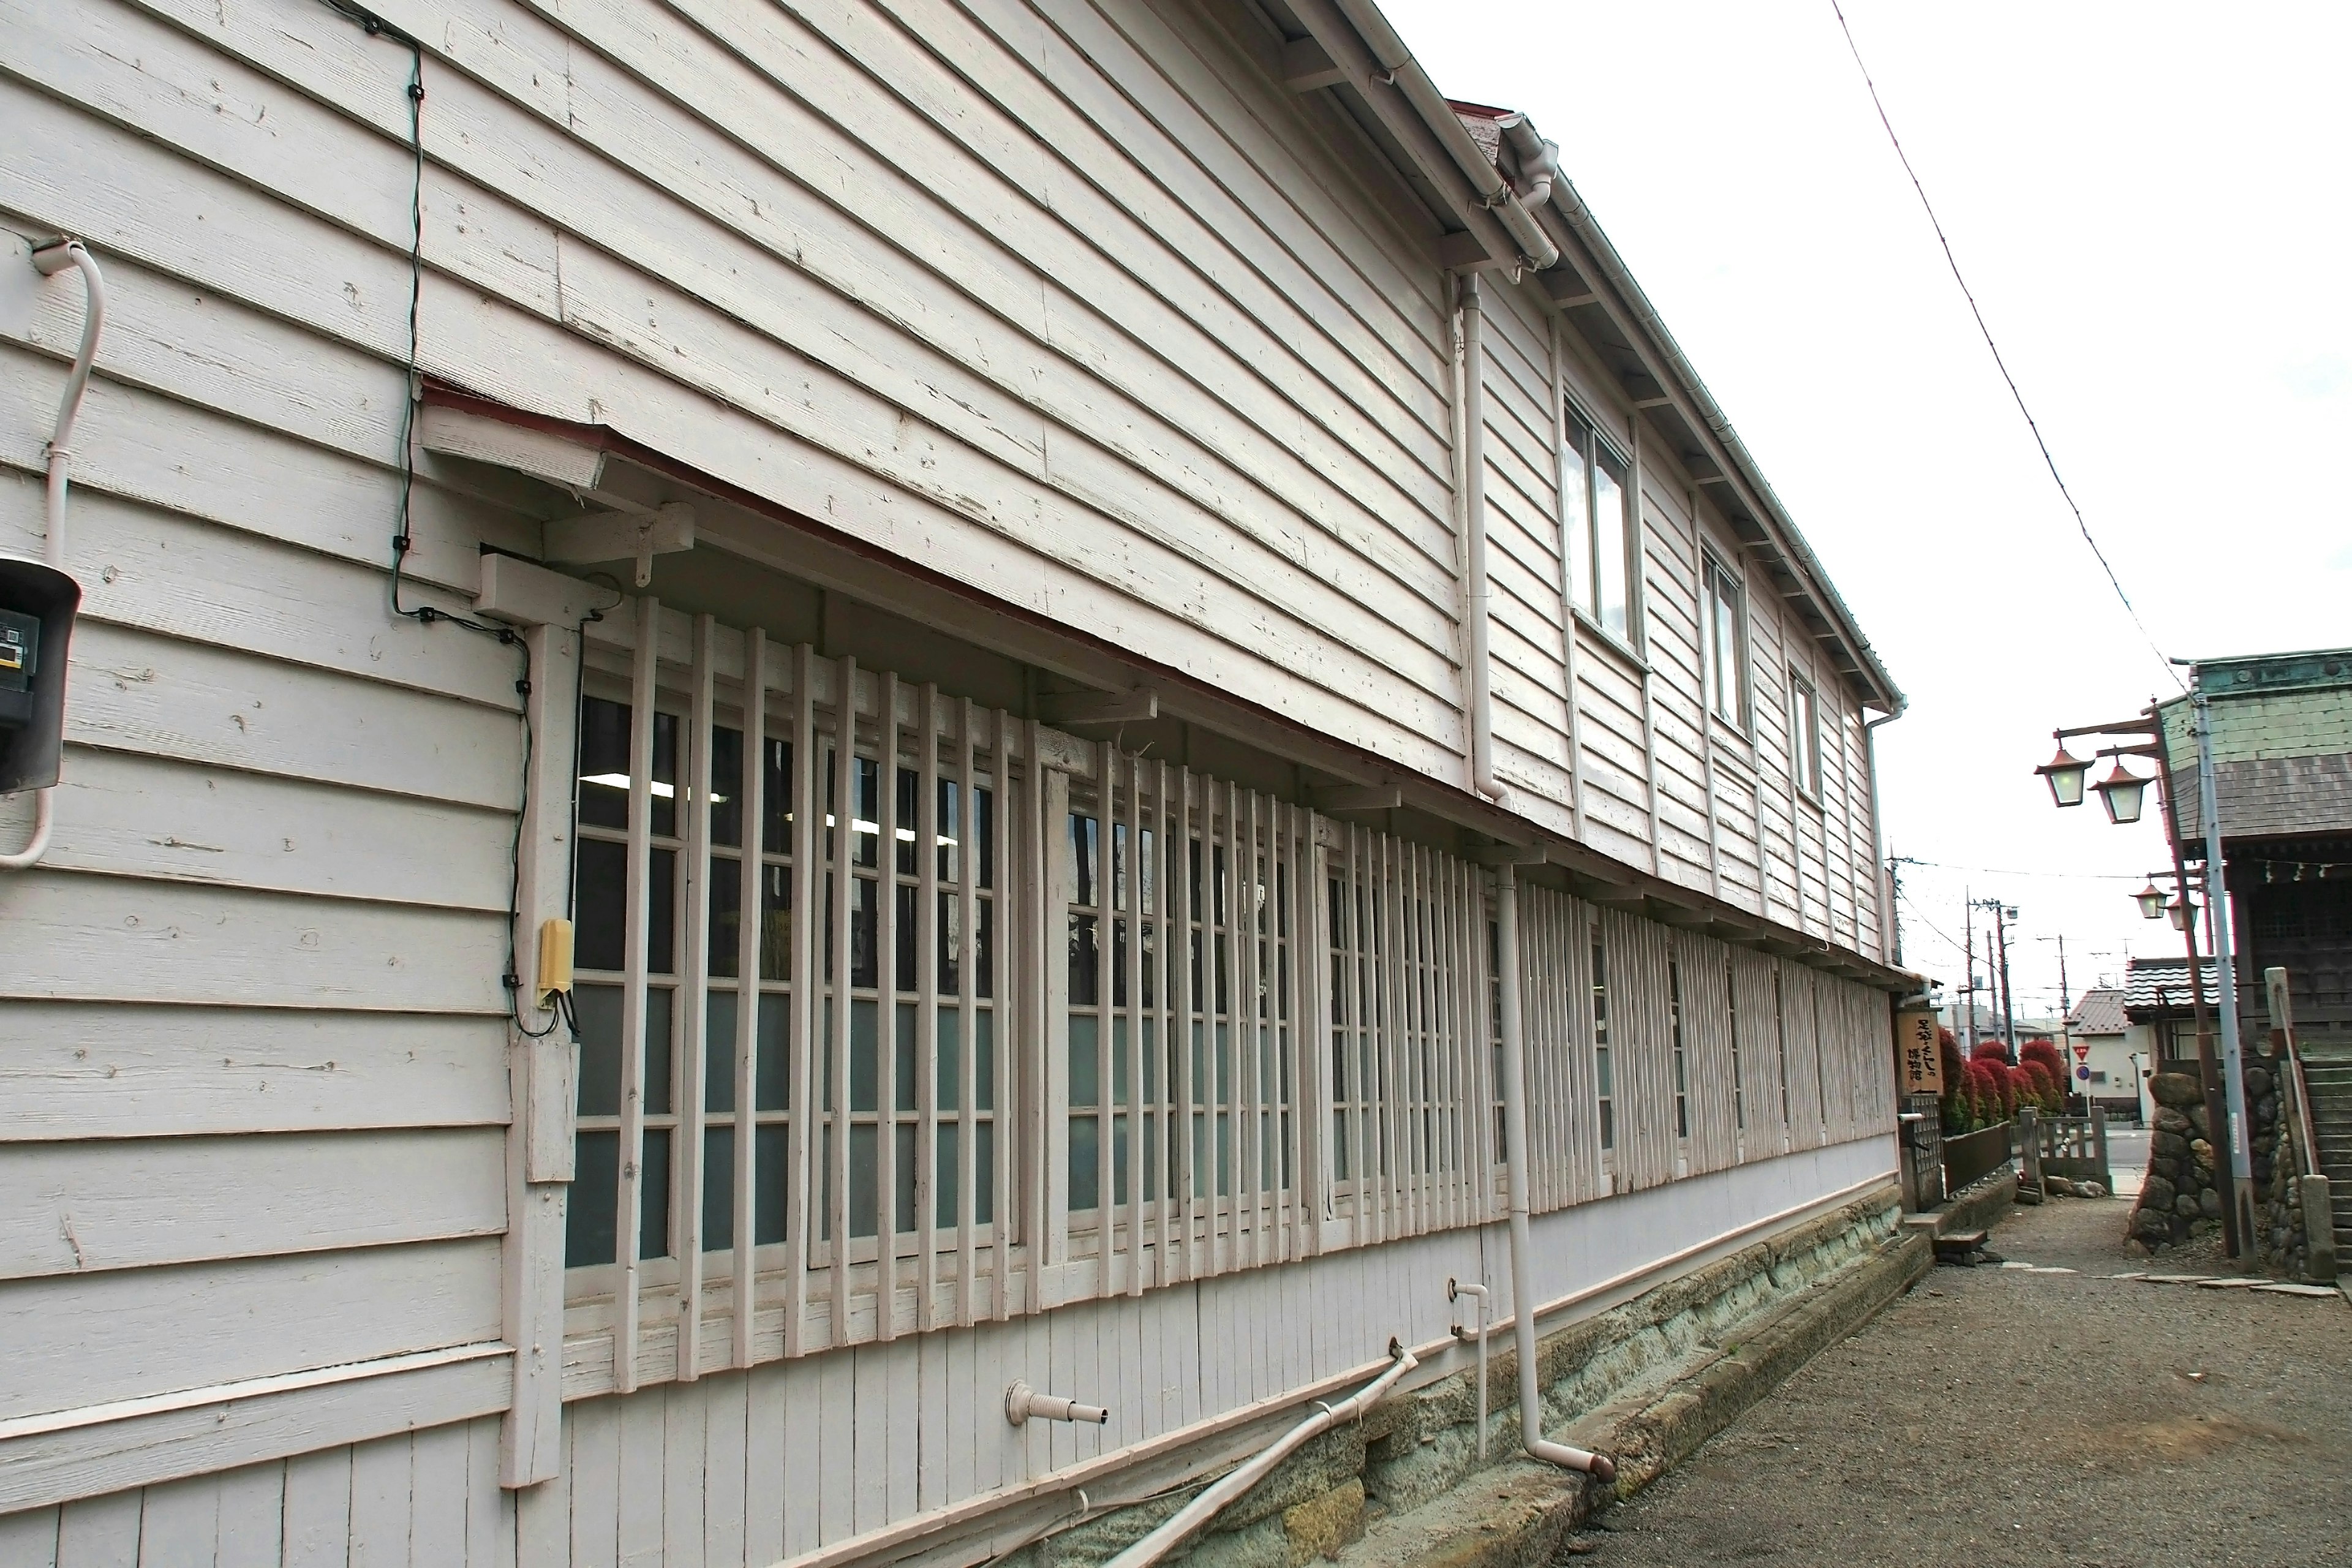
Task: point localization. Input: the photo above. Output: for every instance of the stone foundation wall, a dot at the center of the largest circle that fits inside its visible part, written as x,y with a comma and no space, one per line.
1417,1444
2187,1185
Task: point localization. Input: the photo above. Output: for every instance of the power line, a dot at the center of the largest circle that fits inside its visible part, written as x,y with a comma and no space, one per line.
1953,262
2000,871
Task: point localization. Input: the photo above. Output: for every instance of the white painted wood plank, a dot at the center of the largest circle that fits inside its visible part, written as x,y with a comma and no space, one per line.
77,1070
491,1512
725,1483
382,1502
799,1390
179,1523
318,1517
595,1476
93,1206
104,937
765,1459
684,1454
542,1535
256,1317
29,1538
834,1421
100,1533
643,1477
438,1486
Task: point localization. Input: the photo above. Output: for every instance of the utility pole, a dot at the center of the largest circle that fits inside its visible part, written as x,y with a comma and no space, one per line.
2225,958
2002,916
1969,928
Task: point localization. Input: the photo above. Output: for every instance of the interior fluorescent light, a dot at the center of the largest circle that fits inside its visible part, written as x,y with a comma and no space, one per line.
661,790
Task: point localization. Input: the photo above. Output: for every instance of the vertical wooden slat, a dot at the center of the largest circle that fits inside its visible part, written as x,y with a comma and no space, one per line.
1187,1174
967,895
638,883
844,872
1041,923
749,1000
1240,1178
886,1007
1290,1124
1404,1178
1308,955
1249,1033
1167,842
808,814
692,1008
1106,919
1359,1057
926,1012
1133,905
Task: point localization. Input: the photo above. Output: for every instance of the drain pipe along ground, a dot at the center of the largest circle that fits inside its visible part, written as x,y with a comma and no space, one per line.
1515,1139
1190,1519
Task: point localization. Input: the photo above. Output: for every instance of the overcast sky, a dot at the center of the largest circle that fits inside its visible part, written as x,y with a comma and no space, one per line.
2150,203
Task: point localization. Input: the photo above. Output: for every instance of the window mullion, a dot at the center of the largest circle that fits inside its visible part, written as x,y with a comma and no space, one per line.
843,1004
927,1009
885,1006
807,1119
967,934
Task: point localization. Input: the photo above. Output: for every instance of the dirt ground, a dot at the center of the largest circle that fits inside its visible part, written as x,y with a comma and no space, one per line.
1999,1416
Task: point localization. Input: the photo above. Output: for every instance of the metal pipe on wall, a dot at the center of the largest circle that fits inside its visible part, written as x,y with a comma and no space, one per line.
1515,1162
1476,590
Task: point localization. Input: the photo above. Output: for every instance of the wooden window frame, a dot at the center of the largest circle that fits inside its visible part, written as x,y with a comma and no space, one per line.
1722,589
1805,747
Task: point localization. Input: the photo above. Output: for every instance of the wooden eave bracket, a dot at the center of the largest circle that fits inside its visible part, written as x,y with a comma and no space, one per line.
1133,707
523,595
632,535
541,454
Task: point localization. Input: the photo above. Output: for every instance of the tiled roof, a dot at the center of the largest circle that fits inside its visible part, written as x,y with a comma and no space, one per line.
2159,987
2100,1012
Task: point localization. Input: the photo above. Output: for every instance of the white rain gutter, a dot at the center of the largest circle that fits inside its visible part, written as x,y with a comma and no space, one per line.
1495,194
53,259
1477,589
1515,1162
1190,1519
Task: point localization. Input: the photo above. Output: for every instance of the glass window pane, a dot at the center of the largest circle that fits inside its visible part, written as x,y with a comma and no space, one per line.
725,785
1085,1075
984,804
902,1198
726,916
600,905
1610,552
775,922
902,937
983,1059
951,832
865,824
772,1087
598,1010
665,728
1086,853
949,1184
661,913
1576,515
718,1052
984,1154
653,1210
902,1065
776,799
718,1188
1086,962
771,1152
951,1059
590,1235
1085,1148
657,1051
903,830
865,1068
603,763
864,1190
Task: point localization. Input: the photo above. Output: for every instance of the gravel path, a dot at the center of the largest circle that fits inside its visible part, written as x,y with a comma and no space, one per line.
1998,1417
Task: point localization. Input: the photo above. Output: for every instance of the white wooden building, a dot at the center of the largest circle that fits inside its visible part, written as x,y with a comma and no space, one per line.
1193,504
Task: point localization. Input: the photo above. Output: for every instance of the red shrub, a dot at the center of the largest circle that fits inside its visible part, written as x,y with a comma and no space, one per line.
1989,1088
1991,1051
2049,1055
2033,1086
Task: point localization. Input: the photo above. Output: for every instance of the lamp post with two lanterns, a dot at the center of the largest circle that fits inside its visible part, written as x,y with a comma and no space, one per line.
2122,794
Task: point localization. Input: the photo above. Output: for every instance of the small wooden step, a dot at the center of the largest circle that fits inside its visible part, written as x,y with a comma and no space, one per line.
1960,1243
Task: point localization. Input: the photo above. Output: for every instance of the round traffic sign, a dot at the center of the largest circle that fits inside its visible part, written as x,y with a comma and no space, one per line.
2084,1073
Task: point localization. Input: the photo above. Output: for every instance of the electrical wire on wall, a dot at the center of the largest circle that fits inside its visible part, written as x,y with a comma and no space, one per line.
560,1013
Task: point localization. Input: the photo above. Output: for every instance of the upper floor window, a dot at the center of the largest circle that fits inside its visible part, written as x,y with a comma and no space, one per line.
1596,515
1721,633
1804,736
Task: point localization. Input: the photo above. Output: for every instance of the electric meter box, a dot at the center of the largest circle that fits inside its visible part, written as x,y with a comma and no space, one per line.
37,615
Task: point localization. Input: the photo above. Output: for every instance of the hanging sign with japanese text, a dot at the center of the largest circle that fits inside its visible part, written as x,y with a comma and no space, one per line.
1921,1062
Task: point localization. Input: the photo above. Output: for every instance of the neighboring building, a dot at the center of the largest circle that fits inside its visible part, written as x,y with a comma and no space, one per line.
1102,534
2116,1064
2161,1007
2282,748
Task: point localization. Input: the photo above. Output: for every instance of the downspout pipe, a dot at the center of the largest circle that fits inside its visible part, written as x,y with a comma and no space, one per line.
1189,1520
1886,926
1536,251
1477,589
52,259
1514,1165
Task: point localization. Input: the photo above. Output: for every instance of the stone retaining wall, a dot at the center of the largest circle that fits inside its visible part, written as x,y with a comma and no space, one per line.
1418,1444
2186,1188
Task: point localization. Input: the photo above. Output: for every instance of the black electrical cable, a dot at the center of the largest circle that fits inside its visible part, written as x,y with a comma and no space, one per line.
559,1014
2003,365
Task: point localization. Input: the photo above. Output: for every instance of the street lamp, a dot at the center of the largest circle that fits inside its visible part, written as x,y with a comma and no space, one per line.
2065,774
2120,792
2150,901
2180,910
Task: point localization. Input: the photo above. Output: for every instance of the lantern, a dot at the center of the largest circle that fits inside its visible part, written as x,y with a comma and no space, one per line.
2120,792
2066,776
2150,901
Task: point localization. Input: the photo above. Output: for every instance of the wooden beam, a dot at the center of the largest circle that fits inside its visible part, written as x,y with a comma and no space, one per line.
1463,251
1647,402
1332,798
1306,66
1099,706
637,536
